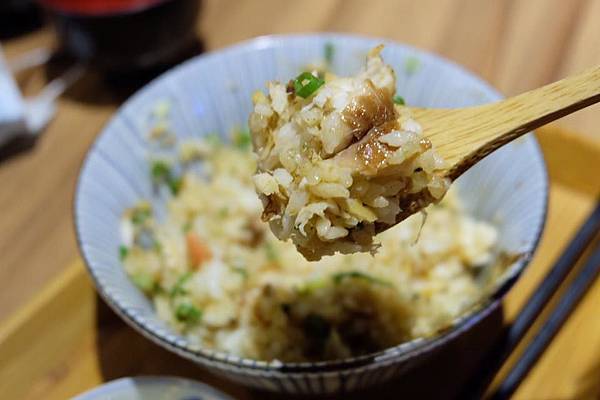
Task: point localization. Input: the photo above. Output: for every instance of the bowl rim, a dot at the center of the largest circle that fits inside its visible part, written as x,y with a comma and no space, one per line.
398,352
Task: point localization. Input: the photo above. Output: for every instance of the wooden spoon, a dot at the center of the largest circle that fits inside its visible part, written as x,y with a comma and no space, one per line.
464,136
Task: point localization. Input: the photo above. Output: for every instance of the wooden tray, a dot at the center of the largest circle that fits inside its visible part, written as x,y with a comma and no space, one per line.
66,340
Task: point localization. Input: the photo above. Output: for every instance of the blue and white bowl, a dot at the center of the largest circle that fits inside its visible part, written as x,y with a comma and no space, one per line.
211,93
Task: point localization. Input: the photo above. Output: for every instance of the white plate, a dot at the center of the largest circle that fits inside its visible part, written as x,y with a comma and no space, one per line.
153,388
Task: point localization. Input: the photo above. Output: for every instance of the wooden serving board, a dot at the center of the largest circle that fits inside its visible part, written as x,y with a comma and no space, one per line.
66,340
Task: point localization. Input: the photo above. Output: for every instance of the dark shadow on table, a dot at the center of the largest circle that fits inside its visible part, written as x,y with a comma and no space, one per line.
124,352
16,146
588,386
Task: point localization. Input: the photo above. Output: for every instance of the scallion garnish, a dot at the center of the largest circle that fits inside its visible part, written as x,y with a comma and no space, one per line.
174,184
306,84
399,100
123,251
213,139
187,226
144,282
340,276
140,215
242,139
240,270
188,313
271,252
178,289
161,173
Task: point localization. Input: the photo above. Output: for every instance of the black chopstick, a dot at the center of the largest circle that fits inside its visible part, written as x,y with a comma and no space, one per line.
567,303
538,300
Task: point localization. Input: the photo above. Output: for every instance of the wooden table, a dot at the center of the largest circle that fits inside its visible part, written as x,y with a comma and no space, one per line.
65,340
516,45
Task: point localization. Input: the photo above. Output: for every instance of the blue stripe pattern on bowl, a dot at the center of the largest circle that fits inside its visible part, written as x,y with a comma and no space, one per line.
211,93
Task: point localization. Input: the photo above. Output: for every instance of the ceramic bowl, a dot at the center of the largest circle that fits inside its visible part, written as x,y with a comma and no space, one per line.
211,93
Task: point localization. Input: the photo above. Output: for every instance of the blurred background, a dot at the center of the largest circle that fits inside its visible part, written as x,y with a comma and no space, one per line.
93,48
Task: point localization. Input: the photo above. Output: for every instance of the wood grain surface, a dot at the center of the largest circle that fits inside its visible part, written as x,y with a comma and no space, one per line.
66,340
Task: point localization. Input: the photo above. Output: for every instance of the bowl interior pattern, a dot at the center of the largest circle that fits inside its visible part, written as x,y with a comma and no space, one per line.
212,92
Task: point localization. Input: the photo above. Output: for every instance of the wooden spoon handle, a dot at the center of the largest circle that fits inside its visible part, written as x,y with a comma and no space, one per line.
463,137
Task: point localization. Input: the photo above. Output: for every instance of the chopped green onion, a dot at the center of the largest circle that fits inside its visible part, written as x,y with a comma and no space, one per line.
223,212
399,100
240,270
306,84
123,251
340,276
175,185
242,139
160,171
188,313
144,281
312,285
178,289
411,65
187,226
271,252
140,215
329,51
213,139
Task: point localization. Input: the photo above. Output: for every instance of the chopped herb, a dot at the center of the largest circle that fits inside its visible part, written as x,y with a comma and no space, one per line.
178,289
175,185
240,270
411,65
213,139
311,286
271,252
123,251
140,215
160,171
306,84
144,281
399,100
242,139
223,212
329,52
340,276
188,313
158,246
187,226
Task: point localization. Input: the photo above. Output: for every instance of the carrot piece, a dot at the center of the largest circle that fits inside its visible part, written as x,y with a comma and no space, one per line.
198,252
